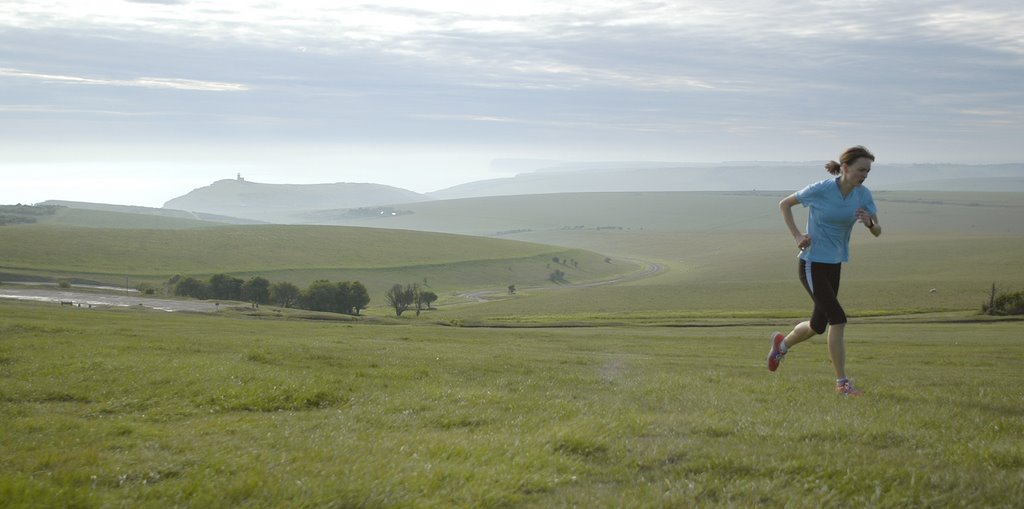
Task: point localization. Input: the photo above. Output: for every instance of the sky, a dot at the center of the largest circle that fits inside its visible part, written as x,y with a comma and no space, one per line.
138,102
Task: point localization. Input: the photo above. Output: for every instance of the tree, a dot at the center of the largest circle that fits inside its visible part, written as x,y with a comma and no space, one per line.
428,298
284,294
322,295
360,297
557,277
256,290
192,287
343,298
400,297
225,287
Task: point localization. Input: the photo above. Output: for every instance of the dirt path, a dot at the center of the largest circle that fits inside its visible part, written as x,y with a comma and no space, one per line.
650,269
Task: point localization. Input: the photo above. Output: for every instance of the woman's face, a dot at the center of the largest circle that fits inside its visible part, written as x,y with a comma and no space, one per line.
857,171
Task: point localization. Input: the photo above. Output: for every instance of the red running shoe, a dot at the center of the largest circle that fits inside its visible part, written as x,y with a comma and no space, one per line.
775,355
846,389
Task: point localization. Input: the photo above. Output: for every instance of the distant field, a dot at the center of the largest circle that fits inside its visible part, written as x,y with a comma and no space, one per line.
739,274
696,212
108,219
299,254
144,409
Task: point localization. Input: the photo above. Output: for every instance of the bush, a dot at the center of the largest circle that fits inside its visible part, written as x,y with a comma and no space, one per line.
1005,304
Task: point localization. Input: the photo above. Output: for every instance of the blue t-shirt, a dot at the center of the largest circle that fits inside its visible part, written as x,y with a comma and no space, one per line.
831,219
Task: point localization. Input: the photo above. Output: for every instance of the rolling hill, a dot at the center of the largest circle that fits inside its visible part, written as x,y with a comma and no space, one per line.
131,216
278,203
331,203
739,176
299,254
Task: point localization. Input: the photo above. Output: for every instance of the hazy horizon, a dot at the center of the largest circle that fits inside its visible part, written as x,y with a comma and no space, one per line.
138,102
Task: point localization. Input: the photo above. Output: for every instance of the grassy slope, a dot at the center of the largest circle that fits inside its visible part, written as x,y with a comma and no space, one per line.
300,254
145,409
755,273
106,219
695,212
729,254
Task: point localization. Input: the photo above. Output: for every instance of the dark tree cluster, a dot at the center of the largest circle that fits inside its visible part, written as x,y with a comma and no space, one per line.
347,297
344,297
24,214
557,277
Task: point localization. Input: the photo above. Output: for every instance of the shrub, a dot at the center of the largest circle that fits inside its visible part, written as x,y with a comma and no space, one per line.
1005,304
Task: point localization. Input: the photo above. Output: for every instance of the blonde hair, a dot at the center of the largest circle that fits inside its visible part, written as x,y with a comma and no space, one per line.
849,156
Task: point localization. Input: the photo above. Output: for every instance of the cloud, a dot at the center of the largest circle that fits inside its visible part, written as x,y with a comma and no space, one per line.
606,73
144,82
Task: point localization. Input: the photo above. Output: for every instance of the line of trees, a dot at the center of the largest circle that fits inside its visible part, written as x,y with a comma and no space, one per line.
348,297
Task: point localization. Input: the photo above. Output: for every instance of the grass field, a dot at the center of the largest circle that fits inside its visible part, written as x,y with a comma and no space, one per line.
144,409
646,393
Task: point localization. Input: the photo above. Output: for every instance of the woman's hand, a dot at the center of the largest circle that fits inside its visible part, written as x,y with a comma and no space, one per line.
803,241
786,206
865,217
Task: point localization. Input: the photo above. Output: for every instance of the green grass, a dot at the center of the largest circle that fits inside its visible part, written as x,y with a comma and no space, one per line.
110,219
127,408
744,273
243,248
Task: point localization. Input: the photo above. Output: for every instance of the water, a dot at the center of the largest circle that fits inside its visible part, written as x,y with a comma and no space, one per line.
87,299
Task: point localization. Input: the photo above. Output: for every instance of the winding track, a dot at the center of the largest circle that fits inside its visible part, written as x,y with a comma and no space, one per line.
650,269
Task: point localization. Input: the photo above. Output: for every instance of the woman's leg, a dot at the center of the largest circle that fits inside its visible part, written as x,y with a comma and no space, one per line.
802,332
837,349
822,295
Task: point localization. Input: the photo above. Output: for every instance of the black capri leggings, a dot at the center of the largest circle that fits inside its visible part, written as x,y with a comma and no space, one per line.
821,280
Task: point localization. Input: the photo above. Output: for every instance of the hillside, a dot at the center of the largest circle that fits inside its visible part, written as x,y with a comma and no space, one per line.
692,212
277,203
345,203
74,213
299,254
617,177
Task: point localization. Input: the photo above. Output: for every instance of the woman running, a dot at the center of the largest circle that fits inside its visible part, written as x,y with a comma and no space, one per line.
836,205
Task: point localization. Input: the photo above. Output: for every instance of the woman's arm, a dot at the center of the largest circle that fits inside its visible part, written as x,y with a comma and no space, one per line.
786,206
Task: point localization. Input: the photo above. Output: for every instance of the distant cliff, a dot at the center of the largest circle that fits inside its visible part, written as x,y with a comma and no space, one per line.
286,203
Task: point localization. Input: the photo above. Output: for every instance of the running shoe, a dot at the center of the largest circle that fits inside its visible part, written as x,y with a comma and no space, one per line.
846,389
775,355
